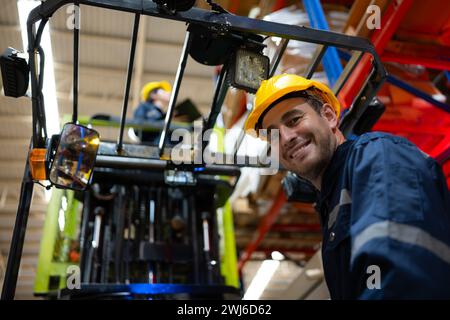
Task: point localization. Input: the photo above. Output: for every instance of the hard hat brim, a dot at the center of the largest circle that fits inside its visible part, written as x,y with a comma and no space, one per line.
149,87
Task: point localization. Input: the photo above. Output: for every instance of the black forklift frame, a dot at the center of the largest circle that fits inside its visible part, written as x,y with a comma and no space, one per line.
221,22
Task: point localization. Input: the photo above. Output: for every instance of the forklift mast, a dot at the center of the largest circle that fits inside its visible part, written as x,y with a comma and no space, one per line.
138,205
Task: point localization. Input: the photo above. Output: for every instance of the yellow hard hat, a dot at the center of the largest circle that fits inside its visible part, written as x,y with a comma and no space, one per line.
149,87
278,86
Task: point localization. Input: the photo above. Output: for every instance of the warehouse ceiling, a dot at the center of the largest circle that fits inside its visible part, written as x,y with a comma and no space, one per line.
104,49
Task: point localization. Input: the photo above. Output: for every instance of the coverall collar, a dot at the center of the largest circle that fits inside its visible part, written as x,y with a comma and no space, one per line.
333,171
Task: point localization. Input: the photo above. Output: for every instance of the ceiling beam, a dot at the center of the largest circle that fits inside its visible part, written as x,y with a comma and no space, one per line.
65,97
121,72
121,40
116,40
30,247
15,118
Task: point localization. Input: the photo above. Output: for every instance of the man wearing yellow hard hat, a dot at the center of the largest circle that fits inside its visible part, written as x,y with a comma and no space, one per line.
384,205
155,98
154,101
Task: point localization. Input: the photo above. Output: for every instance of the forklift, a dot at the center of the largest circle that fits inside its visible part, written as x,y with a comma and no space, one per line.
144,225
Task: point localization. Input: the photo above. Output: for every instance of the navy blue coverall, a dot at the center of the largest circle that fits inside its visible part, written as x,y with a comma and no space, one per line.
149,113
385,205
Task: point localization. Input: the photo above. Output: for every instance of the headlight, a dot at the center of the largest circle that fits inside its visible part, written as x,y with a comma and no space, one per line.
248,70
15,73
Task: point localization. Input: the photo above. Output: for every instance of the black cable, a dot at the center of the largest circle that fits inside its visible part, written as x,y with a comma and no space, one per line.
39,32
76,42
41,68
31,62
41,106
39,114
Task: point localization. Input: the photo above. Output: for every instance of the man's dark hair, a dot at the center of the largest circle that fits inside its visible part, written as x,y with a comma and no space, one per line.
314,98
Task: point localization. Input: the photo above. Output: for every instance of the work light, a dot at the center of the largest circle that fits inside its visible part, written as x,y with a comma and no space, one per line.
248,69
15,73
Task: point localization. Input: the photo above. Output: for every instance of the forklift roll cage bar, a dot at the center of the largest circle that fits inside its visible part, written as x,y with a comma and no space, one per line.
218,22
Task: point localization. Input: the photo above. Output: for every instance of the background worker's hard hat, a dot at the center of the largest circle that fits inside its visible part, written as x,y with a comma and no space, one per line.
149,87
278,86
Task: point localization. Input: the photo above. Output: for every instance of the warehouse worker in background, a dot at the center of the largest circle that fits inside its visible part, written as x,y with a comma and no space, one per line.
384,205
155,98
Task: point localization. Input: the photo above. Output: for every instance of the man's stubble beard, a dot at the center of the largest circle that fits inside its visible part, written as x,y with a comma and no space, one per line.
326,149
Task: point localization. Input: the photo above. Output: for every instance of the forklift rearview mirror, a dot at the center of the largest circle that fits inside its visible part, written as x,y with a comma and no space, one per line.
74,159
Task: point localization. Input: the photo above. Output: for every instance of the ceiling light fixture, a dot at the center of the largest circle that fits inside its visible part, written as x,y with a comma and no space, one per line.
261,279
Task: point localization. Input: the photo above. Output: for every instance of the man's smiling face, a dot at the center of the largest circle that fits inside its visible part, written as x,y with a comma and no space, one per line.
306,141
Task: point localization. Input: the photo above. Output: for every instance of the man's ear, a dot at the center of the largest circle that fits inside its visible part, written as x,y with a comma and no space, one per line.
329,114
